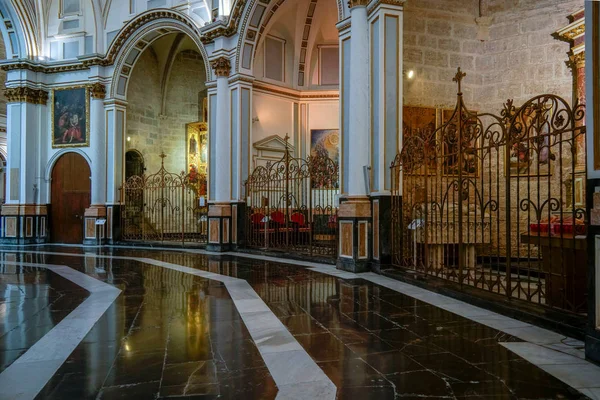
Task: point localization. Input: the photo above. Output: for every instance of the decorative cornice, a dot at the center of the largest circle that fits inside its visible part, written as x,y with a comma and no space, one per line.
115,47
291,93
222,66
98,91
571,31
26,94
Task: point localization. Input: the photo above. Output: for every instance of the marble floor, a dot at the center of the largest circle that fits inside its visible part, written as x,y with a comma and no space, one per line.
130,323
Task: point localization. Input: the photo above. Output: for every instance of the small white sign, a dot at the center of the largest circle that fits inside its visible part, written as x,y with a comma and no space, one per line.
416,223
202,201
100,221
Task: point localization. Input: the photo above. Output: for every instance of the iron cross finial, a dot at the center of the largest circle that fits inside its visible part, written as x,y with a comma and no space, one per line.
458,79
162,154
286,138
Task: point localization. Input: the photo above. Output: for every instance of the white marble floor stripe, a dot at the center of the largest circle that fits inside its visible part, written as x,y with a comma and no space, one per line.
540,337
295,373
28,375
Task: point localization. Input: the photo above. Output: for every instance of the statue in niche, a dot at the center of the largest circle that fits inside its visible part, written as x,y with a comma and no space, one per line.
193,145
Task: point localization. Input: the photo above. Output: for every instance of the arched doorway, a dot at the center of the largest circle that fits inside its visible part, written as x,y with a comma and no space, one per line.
134,164
70,196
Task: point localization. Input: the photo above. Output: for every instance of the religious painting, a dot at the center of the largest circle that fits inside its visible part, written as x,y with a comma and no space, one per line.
421,121
452,165
325,143
70,117
530,152
197,156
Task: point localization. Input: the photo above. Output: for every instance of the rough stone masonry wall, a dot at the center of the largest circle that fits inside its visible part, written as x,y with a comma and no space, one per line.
522,58
152,133
439,36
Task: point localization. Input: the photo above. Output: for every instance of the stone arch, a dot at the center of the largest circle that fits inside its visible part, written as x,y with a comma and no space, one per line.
140,33
250,28
52,161
24,43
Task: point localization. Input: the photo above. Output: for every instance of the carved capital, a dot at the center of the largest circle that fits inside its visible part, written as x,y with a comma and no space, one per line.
578,60
98,91
26,95
357,3
222,66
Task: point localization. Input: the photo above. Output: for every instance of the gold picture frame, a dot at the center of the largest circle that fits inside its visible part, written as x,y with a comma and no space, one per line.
70,113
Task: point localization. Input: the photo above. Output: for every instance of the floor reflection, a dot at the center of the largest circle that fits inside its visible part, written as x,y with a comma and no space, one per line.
174,334
32,301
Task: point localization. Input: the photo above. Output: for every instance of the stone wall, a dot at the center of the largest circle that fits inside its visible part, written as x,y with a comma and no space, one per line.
439,36
153,130
520,59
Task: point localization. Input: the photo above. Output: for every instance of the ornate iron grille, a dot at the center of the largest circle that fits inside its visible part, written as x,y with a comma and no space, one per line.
164,207
497,202
292,206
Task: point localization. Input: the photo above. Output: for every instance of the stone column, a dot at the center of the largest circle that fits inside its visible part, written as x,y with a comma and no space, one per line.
355,208
116,112
219,208
97,210
24,219
240,90
385,31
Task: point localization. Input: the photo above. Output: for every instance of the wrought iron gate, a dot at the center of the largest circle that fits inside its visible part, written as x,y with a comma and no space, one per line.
164,207
292,206
497,202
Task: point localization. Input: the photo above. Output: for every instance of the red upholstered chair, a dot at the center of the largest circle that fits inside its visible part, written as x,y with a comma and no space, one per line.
278,217
258,220
298,218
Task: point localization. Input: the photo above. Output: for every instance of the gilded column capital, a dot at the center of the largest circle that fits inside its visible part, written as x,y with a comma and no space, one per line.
578,60
222,66
357,3
26,94
98,91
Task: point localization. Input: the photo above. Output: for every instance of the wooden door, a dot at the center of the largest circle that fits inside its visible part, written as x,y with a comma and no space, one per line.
71,195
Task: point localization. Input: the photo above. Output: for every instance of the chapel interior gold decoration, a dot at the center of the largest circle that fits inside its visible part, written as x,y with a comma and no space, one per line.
197,156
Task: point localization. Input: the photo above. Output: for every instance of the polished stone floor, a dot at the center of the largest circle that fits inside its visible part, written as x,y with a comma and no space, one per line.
182,326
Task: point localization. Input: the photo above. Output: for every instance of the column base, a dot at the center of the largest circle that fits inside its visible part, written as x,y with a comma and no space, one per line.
95,222
592,349
219,227
354,218
113,223
238,225
24,224
382,231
